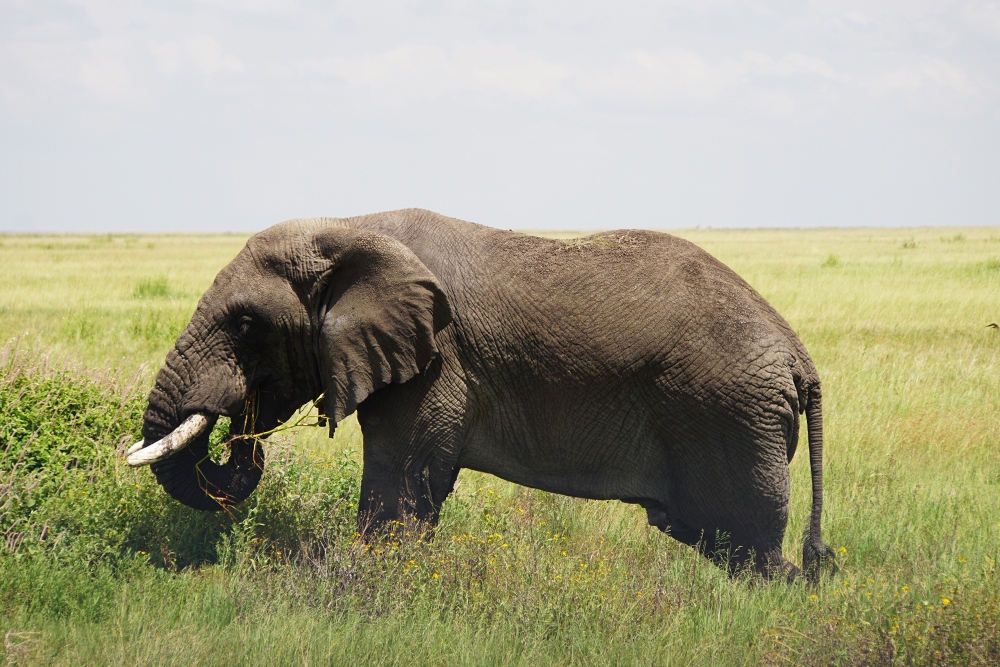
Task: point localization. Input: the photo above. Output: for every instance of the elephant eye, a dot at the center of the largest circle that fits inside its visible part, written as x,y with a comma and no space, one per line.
244,324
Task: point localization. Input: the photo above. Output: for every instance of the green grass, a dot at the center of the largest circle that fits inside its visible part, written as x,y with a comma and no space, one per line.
106,300
151,288
98,566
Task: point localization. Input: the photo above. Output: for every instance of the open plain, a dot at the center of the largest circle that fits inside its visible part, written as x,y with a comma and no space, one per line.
98,566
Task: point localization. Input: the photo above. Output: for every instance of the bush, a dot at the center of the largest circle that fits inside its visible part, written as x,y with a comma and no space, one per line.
53,413
68,492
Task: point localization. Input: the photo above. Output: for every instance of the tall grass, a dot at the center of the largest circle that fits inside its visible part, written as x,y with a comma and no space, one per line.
98,566
151,288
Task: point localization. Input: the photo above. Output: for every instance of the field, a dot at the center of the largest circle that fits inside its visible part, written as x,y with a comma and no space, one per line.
98,566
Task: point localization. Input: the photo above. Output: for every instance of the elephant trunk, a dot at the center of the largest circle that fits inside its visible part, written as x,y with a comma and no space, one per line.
175,444
191,477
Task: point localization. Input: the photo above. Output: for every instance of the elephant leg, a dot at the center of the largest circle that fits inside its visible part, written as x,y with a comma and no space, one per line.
733,512
733,556
413,494
410,433
410,462
760,557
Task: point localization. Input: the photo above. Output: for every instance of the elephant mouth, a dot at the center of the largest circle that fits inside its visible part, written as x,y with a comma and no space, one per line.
185,468
181,456
178,435
197,425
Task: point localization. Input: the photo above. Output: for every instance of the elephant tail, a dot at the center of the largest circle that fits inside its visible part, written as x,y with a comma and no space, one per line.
815,554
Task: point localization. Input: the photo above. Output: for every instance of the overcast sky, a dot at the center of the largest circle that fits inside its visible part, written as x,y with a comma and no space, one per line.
231,115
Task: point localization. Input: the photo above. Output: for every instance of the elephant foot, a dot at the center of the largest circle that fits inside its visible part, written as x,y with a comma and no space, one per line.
389,528
787,570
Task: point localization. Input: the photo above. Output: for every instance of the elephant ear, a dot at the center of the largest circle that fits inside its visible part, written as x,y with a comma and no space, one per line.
378,309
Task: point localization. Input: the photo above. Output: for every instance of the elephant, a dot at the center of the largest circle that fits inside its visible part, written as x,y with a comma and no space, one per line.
627,365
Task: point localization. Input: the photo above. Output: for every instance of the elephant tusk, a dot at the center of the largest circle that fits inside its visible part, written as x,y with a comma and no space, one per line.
175,441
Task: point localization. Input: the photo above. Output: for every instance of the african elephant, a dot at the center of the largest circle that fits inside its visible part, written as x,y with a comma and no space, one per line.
628,365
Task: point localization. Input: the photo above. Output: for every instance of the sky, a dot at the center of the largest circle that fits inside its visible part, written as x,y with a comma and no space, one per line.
232,115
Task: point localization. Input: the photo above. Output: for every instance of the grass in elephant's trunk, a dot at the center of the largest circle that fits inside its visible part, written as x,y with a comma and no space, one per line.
222,438
192,477
198,476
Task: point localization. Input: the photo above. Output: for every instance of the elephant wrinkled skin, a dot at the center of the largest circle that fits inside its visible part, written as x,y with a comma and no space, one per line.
628,365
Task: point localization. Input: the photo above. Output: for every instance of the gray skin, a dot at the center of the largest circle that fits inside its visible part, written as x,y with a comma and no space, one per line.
630,365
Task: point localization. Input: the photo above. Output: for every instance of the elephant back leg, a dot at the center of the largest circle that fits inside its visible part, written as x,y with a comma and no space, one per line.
726,491
734,552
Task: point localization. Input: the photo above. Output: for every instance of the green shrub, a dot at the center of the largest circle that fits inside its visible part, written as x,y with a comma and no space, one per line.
53,414
62,434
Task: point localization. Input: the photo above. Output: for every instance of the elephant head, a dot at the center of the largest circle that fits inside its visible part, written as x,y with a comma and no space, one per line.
306,308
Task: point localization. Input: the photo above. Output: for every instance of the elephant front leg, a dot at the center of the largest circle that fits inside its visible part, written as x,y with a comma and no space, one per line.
410,457
408,496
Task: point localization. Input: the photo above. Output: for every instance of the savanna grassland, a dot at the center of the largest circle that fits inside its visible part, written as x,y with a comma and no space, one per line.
98,566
